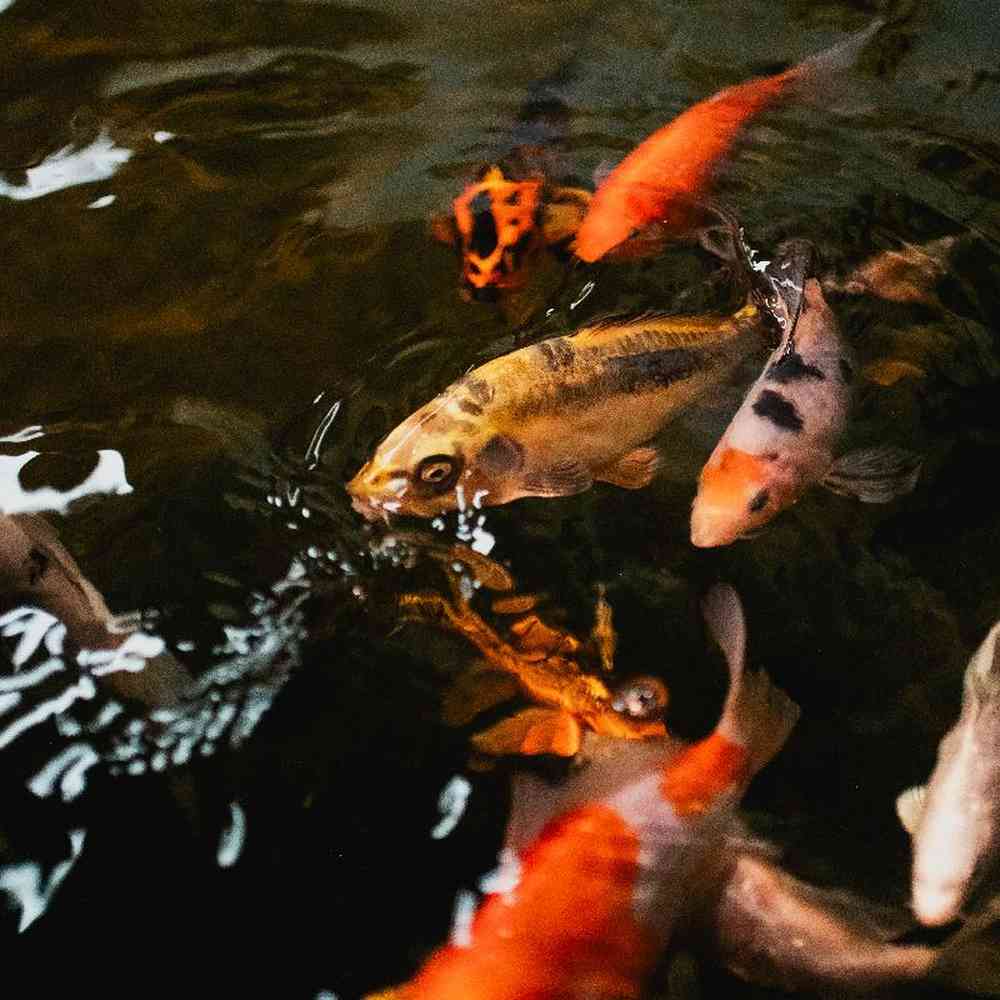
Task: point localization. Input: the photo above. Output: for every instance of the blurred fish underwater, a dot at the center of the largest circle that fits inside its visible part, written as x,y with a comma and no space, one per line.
232,760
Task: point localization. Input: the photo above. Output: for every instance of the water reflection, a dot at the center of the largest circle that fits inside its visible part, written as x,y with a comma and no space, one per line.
68,167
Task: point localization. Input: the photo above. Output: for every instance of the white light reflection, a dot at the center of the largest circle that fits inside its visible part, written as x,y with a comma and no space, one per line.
107,477
5,4
69,167
28,885
233,837
451,804
25,434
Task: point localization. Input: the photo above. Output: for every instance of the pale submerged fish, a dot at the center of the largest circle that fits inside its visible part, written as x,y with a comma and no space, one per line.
955,818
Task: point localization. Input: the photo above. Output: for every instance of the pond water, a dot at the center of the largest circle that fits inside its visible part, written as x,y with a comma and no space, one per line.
220,291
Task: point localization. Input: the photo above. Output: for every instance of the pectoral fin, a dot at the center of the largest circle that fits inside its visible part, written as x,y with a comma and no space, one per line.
875,475
632,472
910,807
476,691
561,479
533,731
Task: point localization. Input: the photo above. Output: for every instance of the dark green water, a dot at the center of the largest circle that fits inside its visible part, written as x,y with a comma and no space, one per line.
214,225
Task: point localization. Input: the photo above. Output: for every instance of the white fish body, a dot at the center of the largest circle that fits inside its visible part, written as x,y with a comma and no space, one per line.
955,818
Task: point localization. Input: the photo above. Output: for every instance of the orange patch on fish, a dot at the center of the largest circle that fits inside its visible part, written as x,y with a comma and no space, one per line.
566,931
724,483
493,216
702,773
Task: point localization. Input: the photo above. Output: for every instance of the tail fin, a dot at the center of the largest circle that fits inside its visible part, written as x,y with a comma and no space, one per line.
841,56
970,960
821,79
757,714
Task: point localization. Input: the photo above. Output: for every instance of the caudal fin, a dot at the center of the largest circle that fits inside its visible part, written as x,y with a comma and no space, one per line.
821,79
757,714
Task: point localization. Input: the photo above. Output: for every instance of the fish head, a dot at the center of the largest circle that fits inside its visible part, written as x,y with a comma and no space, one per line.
602,230
497,221
437,460
738,492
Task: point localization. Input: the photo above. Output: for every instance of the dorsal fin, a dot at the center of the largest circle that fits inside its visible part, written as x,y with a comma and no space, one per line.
680,331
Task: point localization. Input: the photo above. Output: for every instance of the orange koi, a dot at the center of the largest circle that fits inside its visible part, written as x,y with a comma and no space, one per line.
592,879
658,180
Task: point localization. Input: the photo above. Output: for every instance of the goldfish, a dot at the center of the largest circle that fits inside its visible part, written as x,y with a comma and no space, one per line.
550,419
594,873
954,819
656,182
783,438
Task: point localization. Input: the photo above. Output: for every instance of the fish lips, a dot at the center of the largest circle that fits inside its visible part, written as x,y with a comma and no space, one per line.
710,529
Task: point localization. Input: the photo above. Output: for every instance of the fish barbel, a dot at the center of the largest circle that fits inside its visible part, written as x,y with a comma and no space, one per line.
552,418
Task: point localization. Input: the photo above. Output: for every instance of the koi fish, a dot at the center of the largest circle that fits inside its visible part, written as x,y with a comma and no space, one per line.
542,664
595,872
657,181
551,418
783,438
955,818
514,209
501,223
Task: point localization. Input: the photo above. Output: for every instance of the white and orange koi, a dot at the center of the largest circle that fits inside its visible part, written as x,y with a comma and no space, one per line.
595,871
783,439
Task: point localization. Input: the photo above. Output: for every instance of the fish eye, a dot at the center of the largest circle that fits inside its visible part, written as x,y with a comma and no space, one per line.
438,472
759,502
642,698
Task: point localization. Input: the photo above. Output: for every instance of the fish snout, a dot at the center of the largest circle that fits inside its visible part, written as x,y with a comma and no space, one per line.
710,528
936,903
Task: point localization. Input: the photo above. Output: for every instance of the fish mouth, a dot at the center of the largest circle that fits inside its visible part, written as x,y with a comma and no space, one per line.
708,535
368,509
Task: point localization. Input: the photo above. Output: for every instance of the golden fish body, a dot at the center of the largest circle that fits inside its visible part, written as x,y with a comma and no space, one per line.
549,419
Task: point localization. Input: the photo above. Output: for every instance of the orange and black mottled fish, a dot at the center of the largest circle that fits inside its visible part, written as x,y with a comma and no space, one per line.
658,181
516,207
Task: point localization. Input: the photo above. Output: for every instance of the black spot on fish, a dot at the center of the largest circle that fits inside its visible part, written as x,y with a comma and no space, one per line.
38,564
467,406
759,502
791,368
557,353
652,369
481,391
502,454
846,371
483,239
773,406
